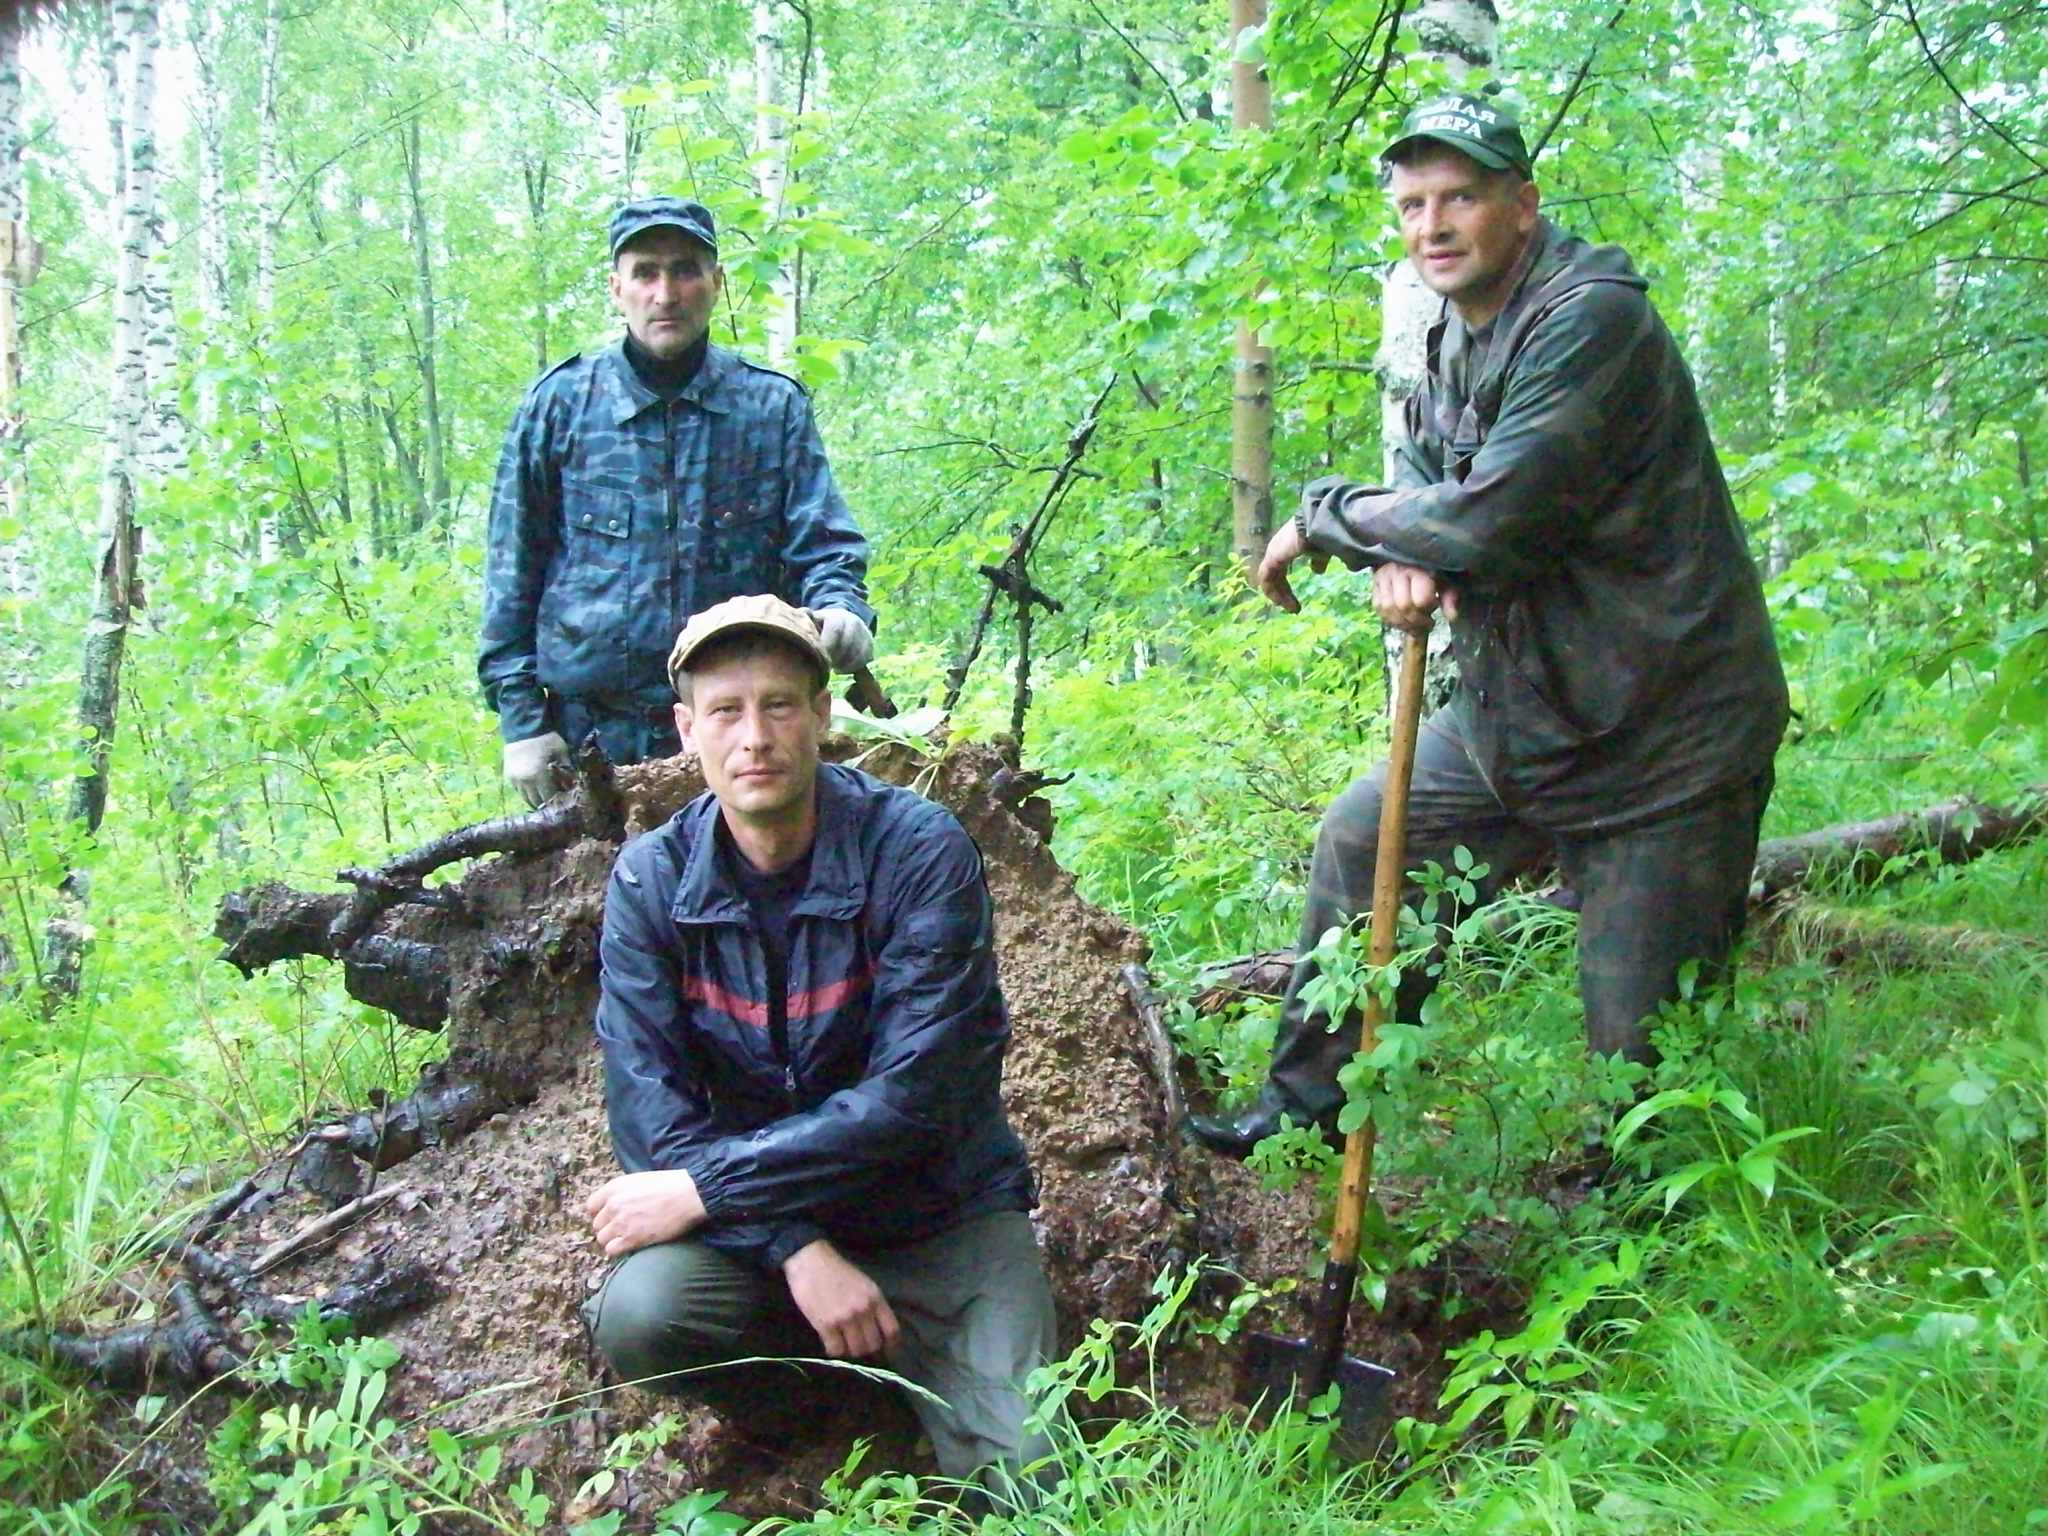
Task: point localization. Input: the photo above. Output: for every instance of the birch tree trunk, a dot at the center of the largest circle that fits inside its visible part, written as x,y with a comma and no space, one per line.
1460,35
17,263
210,123
131,46
425,347
1251,395
267,174
771,158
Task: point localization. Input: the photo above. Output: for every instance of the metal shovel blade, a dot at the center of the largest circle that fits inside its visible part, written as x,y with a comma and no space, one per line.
1276,1370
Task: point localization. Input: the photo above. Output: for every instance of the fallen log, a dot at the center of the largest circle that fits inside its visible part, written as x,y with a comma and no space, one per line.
1849,855
1840,935
1859,854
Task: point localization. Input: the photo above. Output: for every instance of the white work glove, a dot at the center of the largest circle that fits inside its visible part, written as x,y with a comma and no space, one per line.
537,766
847,641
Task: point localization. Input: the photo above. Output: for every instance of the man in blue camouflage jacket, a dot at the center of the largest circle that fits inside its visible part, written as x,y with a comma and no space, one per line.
640,485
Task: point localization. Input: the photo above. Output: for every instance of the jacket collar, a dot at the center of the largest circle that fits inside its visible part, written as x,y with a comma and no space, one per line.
1551,264
626,397
837,888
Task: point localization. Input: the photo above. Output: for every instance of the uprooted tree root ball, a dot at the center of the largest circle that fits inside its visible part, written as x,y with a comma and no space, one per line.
465,1196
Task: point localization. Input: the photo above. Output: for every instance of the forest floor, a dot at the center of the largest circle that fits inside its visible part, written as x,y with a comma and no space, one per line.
495,1216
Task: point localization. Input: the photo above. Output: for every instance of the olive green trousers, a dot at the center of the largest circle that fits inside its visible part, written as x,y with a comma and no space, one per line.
976,1317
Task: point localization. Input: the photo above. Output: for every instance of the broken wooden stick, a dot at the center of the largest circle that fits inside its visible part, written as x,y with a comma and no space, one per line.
323,1227
1159,1047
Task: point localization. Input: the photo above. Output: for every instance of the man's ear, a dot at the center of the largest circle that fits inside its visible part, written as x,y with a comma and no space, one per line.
684,726
821,706
1527,200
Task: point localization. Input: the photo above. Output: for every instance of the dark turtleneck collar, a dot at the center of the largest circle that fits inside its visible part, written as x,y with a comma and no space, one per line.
668,377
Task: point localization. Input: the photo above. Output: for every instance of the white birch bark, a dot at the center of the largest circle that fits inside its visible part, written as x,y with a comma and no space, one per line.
771,159
134,33
1461,35
15,263
160,426
131,36
267,172
210,124
615,146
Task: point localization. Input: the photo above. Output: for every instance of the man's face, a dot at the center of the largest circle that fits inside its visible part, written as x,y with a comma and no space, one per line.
754,722
1463,227
665,283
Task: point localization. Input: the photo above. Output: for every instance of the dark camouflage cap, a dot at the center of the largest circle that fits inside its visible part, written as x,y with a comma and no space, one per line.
643,214
1479,126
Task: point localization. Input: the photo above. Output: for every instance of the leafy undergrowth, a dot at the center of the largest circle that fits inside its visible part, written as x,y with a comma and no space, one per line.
1816,1300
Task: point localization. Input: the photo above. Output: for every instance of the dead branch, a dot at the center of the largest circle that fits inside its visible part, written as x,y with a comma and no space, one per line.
1019,554
453,1098
1158,1040
323,1227
593,809
190,1347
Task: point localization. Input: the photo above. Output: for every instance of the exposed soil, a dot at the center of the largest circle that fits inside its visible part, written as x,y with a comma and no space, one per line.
496,1214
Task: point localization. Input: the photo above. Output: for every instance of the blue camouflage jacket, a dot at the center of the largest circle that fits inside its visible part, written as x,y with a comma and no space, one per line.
873,1115
616,516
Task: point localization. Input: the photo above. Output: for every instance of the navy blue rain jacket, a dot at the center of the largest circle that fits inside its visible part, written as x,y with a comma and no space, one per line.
879,1121
616,516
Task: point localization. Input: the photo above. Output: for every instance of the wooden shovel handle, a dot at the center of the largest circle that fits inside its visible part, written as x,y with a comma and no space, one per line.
1354,1184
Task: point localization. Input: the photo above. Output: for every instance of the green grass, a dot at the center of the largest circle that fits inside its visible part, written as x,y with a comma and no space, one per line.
1861,1349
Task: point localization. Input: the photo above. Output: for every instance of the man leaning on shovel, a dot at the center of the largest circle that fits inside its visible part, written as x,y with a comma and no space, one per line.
1619,694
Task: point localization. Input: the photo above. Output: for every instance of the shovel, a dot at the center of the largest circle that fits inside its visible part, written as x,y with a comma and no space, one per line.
1276,1369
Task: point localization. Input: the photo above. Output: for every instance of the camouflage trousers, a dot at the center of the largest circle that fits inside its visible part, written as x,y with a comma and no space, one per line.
628,732
1652,897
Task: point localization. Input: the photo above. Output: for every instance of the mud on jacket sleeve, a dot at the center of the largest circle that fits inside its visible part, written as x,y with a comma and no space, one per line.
935,1063
517,548
1517,503
656,1119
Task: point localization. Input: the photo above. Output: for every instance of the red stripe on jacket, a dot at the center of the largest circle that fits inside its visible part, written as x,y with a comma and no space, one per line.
802,1005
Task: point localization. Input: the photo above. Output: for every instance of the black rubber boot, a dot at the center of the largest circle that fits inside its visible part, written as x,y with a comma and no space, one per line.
1234,1136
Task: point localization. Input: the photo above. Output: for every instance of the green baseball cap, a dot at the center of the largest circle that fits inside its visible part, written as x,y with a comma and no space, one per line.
1479,126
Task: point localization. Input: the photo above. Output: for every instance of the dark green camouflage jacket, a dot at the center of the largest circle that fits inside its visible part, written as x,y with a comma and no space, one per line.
1615,658
616,517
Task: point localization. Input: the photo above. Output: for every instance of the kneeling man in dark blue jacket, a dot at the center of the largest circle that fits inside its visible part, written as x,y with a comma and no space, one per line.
803,1047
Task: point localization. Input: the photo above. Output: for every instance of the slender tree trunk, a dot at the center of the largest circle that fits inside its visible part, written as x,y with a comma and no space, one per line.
17,266
1459,35
423,266
210,121
534,171
1251,396
771,159
267,172
131,45
615,145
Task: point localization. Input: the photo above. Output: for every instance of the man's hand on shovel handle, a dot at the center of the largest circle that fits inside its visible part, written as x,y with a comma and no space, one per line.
1406,596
